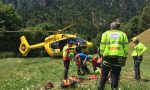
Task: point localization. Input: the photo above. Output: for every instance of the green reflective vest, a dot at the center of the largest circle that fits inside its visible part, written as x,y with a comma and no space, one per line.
138,50
114,43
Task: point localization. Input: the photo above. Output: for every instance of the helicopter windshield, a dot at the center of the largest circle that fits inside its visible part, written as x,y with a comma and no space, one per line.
76,40
60,44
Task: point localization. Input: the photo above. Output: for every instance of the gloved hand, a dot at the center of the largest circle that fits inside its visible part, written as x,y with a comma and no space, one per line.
84,62
100,60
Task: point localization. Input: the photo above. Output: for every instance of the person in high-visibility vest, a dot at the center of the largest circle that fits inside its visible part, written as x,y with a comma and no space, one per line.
137,55
114,51
66,58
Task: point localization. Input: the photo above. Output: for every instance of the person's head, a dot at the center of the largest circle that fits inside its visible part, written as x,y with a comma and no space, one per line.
135,40
115,25
78,44
70,43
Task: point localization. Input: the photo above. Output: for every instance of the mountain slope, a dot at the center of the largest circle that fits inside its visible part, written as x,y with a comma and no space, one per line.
145,37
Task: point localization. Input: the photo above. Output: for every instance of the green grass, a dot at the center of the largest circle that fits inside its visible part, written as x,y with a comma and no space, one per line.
33,73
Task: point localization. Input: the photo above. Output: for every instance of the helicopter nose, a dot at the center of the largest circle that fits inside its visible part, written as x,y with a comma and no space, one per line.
89,44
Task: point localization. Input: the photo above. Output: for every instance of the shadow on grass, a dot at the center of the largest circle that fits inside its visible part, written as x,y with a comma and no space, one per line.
145,80
57,57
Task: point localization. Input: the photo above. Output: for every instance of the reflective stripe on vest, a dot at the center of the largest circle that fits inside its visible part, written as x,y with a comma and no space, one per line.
121,43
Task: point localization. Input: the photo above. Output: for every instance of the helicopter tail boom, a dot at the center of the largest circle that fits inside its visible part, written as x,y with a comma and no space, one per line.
24,46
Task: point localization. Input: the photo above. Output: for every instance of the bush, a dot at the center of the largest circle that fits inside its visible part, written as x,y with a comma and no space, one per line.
7,54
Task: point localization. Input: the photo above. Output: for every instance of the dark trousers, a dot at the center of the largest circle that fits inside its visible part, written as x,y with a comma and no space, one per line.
83,67
66,68
112,64
137,62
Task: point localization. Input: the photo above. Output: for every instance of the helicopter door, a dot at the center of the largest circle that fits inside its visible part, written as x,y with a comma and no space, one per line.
62,43
55,48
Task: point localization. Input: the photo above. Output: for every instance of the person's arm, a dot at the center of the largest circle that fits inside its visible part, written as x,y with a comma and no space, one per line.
103,43
67,51
143,50
85,59
125,45
100,60
125,48
77,57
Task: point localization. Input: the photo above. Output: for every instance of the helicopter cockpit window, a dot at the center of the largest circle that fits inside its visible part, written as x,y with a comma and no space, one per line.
76,40
71,40
62,43
82,42
59,44
55,45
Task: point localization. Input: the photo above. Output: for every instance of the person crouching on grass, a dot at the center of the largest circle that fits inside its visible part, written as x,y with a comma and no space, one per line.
66,59
97,63
81,59
97,60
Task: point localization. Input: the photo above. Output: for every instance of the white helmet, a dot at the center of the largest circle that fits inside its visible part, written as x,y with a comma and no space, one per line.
135,39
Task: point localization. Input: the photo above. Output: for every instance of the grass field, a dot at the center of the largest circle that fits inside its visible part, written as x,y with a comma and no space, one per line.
34,73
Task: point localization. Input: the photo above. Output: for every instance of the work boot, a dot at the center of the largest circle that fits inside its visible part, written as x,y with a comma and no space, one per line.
79,73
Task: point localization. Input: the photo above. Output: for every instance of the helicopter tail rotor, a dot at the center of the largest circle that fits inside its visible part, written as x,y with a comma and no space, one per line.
24,46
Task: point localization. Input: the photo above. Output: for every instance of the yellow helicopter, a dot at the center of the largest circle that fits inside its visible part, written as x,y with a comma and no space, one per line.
54,44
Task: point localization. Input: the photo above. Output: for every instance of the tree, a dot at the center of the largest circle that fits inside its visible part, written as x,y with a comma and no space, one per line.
144,19
9,21
138,23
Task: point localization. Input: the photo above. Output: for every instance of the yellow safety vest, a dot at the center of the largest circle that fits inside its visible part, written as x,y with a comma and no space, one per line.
114,43
64,51
138,50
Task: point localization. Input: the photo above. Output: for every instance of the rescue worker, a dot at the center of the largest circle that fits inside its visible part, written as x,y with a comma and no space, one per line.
78,48
66,58
81,59
114,51
96,62
137,55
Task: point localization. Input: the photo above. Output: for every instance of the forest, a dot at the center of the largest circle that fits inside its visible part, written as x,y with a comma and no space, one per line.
92,18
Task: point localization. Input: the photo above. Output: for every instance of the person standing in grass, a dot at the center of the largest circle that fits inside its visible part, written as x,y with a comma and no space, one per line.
137,55
114,51
78,48
66,59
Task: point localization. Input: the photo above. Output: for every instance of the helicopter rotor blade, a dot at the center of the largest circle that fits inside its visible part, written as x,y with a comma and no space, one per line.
70,25
25,31
56,32
62,30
